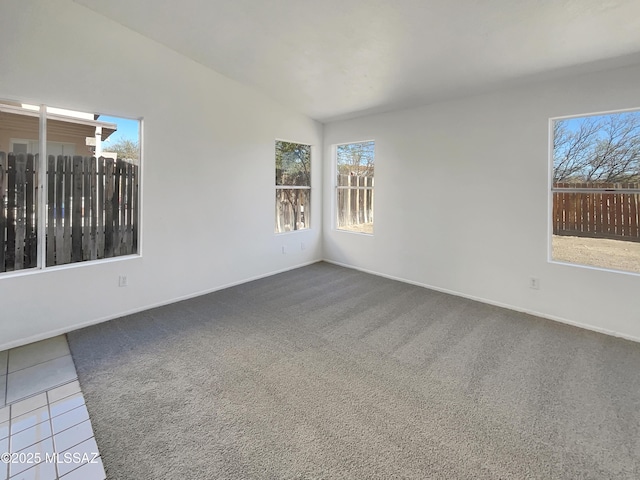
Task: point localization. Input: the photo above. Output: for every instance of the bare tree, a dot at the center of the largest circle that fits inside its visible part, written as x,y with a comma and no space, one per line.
572,148
597,149
126,149
356,159
617,153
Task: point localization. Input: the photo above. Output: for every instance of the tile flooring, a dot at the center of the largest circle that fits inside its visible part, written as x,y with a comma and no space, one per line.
44,423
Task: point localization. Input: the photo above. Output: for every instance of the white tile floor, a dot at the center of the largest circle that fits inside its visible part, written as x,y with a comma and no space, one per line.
44,423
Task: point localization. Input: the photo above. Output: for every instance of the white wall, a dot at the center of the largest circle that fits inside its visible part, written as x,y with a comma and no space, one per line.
462,201
205,226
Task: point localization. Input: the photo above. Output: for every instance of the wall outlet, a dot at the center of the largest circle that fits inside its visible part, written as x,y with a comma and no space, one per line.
302,247
123,281
284,250
534,283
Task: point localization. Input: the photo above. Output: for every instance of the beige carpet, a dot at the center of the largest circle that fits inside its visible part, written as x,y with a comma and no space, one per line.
325,372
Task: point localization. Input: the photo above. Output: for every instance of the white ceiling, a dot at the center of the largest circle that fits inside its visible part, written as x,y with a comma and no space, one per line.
332,59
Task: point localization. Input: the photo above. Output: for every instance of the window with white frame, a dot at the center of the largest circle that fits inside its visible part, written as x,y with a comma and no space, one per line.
293,186
595,188
79,201
354,186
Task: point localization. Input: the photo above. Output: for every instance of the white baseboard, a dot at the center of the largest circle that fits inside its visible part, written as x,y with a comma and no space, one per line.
555,318
61,331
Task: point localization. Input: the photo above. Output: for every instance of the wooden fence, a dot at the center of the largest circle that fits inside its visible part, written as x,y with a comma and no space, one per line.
91,209
597,214
355,202
292,209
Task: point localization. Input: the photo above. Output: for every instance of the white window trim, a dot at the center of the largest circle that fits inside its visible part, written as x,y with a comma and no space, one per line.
336,187
297,187
551,190
42,200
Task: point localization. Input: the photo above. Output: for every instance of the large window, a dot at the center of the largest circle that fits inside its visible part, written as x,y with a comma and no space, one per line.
354,187
293,186
595,212
77,201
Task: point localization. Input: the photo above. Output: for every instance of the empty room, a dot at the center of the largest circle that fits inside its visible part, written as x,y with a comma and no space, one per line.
343,239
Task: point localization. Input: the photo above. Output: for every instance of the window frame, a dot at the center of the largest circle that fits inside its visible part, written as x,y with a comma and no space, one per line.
42,186
337,188
551,190
308,188
30,143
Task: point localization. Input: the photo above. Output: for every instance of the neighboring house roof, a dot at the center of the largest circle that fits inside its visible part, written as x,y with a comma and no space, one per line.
18,118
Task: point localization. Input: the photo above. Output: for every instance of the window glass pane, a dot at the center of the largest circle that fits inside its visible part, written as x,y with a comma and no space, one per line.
355,207
19,136
355,186
596,178
92,179
292,209
293,164
17,147
354,159
597,229
597,148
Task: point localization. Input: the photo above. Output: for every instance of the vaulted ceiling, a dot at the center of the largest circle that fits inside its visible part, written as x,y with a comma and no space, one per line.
332,59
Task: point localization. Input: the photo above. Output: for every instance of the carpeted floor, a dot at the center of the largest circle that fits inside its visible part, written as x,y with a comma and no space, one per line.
326,372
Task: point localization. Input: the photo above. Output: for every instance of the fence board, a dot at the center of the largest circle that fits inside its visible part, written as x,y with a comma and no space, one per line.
3,219
93,172
607,219
617,220
577,199
625,215
633,216
51,209
598,210
116,210
66,205
31,241
21,180
129,236
101,207
592,212
108,208
86,208
135,214
59,228
11,215
76,220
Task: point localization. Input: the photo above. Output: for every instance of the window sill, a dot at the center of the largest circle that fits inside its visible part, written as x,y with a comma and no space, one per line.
69,266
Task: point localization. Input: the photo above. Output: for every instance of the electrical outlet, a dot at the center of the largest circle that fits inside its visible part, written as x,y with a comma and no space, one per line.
302,247
534,283
284,250
123,281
